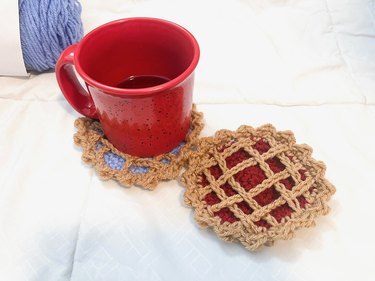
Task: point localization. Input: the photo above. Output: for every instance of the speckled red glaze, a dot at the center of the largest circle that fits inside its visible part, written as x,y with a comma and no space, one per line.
146,125
142,122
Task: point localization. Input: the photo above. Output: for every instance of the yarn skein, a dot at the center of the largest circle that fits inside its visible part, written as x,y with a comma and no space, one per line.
47,27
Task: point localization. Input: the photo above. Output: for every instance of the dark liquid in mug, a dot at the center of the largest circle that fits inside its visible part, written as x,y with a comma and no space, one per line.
142,81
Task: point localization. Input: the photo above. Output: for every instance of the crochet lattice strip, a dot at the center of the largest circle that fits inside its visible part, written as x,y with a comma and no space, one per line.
255,185
128,170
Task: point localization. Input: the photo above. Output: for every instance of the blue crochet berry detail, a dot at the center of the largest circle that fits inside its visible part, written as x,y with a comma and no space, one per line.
177,150
98,145
139,169
165,161
100,131
114,161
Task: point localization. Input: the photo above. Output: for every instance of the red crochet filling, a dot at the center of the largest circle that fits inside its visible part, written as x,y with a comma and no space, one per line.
262,223
250,177
226,215
216,172
244,207
267,196
236,158
211,198
302,174
281,212
288,183
261,146
275,165
302,201
203,181
229,191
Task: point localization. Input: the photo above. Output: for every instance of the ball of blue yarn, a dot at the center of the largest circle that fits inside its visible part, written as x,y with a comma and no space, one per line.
47,27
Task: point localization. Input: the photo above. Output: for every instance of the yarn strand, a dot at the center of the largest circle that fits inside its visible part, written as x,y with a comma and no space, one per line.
47,27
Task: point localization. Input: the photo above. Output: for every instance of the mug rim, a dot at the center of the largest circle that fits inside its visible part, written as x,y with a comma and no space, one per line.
138,91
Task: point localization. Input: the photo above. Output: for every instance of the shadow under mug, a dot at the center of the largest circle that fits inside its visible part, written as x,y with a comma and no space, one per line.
139,74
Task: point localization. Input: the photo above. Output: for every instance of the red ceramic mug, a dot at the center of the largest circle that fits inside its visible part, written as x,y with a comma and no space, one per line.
139,74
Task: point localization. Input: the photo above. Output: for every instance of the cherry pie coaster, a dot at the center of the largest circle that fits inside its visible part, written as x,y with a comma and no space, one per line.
255,185
128,170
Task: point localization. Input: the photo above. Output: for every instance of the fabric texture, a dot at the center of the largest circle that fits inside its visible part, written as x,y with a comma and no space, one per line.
129,170
46,29
305,66
255,185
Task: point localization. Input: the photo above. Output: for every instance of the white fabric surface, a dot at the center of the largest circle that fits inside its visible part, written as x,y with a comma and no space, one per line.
10,47
307,66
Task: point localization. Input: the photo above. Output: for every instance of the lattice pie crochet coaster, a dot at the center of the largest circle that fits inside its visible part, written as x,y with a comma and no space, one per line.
255,185
128,170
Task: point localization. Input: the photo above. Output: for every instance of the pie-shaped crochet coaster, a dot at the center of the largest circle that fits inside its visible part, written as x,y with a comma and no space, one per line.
128,170
255,185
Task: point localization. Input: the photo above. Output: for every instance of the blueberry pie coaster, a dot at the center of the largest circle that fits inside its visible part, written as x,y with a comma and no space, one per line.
255,186
128,170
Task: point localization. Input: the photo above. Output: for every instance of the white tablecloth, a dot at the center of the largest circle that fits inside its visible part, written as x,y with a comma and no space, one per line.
307,66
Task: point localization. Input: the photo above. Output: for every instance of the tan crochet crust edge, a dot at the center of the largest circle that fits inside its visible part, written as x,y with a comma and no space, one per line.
89,134
213,151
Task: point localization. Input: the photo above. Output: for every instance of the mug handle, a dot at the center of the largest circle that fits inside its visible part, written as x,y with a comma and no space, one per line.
72,90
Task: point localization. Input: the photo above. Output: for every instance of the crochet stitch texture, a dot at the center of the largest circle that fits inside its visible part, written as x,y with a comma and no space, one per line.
128,170
255,185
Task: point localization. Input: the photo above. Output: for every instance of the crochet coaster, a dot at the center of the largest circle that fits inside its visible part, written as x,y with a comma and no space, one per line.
255,185
128,170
